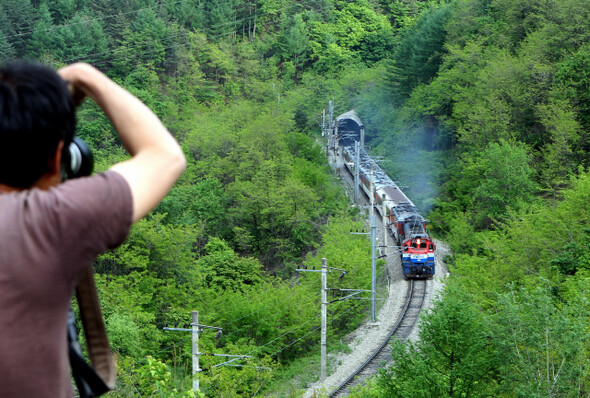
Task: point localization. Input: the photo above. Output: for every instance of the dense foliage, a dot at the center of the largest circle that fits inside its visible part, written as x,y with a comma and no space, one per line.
490,125
480,107
239,84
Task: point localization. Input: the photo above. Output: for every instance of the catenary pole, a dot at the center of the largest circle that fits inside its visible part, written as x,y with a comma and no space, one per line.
324,308
373,254
195,329
384,212
195,325
362,136
357,166
324,319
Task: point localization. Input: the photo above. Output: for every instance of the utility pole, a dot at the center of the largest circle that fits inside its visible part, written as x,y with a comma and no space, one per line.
324,309
373,233
331,111
195,330
331,125
373,249
195,325
362,127
324,318
384,212
357,166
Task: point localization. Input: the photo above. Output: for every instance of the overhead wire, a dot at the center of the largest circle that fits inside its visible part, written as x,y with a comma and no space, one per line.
108,16
339,316
95,58
292,330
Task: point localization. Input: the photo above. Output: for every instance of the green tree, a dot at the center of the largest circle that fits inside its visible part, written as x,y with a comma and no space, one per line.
496,180
507,181
453,358
221,17
148,41
20,17
574,256
6,50
166,250
521,17
189,14
574,81
564,151
222,268
419,54
542,344
207,204
295,41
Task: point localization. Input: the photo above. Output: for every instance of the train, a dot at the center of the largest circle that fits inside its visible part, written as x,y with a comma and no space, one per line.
404,220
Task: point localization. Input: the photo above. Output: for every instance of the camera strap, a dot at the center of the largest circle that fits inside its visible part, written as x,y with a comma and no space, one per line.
99,378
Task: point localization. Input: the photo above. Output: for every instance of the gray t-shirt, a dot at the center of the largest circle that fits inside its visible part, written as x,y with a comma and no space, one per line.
46,239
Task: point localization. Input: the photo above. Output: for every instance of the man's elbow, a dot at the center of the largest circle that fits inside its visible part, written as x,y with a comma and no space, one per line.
178,162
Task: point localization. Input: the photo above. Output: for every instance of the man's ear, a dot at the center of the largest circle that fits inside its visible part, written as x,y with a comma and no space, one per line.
55,161
52,177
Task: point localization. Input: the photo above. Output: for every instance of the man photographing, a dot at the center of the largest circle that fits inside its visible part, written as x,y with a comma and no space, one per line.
51,230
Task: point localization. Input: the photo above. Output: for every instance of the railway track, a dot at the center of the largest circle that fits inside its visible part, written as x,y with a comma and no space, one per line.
401,330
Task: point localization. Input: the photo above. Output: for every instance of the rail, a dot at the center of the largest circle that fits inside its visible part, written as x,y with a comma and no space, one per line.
401,330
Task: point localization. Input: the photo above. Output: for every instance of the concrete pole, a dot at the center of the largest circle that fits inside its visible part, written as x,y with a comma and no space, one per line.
362,136
331,111
328,134
384,224
335,138
195,324
357,166
324,319
373,247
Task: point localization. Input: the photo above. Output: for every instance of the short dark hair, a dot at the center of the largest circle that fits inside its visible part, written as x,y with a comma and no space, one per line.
36,113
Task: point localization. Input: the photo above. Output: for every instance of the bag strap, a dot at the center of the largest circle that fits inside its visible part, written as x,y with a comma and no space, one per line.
100,378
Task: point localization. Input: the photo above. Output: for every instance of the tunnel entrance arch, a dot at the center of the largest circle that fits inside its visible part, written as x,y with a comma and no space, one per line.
348,129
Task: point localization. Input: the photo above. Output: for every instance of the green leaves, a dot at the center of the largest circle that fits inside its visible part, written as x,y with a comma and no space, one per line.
529,345
495,181
222,268
574,256
506,180
453,358
419,54
542,345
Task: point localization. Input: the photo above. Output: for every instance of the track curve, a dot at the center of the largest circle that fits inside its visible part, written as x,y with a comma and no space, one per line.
401,330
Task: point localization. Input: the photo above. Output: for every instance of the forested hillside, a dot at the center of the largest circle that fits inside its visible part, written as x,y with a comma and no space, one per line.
488,122
480,107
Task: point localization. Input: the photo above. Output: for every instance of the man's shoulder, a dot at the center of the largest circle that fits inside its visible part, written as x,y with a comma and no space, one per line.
83,207
103,189
106,192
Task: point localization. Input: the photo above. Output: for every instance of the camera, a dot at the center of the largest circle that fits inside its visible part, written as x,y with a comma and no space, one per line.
77,160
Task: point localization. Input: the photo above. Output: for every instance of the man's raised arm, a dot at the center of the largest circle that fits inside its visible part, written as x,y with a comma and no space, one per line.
157,159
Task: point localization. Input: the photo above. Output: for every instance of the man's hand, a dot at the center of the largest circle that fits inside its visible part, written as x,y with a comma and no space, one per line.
71,75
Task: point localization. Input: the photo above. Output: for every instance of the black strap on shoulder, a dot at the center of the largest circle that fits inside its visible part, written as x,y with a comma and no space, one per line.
95,380
88,382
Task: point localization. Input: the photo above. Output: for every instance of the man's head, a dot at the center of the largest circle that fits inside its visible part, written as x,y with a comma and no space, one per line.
37,112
